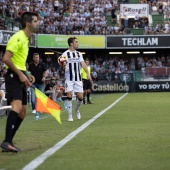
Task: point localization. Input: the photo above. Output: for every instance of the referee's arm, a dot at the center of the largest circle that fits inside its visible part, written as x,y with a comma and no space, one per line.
83,64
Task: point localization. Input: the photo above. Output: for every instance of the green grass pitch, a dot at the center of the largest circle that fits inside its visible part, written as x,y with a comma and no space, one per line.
133,135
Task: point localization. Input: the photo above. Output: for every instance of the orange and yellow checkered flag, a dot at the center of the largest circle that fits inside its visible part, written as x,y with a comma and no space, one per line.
46,105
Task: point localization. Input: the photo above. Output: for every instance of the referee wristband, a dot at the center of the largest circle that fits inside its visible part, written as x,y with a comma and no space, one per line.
27,73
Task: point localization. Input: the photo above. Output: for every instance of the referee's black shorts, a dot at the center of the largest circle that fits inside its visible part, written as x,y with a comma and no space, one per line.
86,84
15,89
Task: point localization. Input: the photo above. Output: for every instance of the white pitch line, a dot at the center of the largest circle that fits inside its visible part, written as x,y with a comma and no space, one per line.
40,159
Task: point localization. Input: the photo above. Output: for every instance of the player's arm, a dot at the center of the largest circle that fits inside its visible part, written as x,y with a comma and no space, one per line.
83,64
7,60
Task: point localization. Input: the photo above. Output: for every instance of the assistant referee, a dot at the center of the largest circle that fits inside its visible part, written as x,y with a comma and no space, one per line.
86,83
17,78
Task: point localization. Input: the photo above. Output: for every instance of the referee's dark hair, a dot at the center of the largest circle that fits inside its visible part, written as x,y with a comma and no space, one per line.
27,17
70,40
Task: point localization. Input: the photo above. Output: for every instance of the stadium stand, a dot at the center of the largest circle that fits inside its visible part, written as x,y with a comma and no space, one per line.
139,31
157,19
90,17
133,1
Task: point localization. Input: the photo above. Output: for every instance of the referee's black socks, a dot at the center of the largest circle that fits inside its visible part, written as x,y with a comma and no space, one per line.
88,97
10,125
17,125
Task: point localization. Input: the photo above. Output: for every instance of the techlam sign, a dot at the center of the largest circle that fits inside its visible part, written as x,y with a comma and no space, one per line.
132,9
143,41
140,41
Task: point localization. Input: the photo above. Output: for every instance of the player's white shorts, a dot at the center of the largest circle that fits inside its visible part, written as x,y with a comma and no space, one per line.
76,86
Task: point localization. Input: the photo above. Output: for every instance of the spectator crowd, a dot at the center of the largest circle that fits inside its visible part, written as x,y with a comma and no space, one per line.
88,17
82,17
85,17
103,67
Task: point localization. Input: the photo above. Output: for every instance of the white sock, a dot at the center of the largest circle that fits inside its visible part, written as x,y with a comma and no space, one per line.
69,106
78,104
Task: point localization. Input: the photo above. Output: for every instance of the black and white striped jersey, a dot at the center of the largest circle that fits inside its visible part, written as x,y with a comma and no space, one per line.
73,66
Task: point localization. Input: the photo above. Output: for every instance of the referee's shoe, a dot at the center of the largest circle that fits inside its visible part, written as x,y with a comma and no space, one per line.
9,147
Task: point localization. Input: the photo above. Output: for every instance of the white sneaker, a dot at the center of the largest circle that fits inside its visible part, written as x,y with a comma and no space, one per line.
70,118
34,111
78,115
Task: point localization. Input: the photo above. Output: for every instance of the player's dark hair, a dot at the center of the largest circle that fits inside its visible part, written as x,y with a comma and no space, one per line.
27,17
71,40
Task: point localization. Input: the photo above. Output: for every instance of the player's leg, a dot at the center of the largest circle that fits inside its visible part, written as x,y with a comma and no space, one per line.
78,88
69,90
69,106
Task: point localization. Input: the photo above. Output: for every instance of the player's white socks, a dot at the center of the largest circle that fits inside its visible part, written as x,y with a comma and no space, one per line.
78,104
69,106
